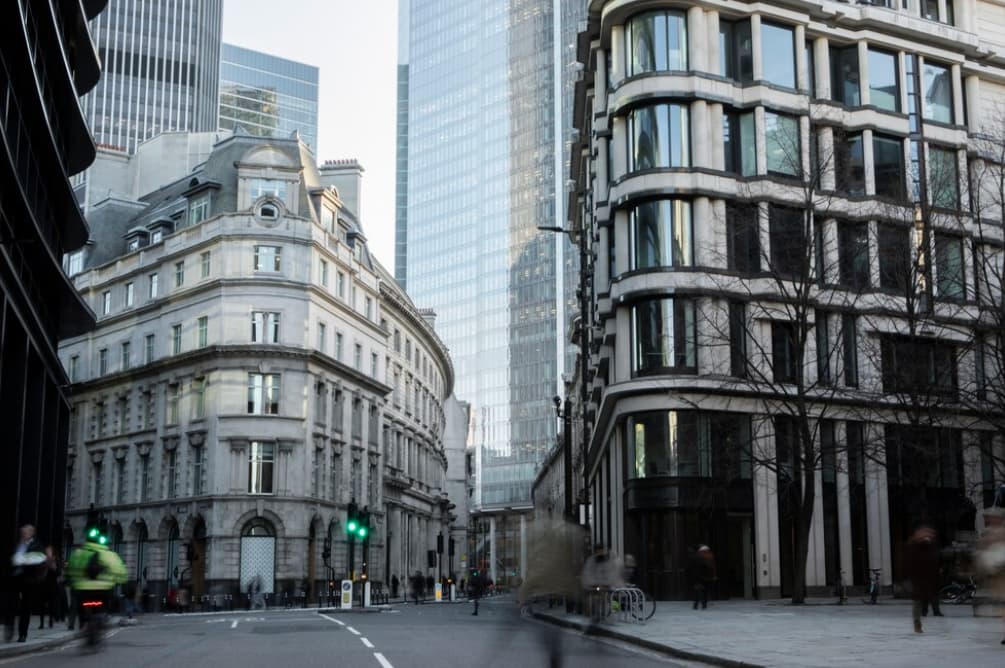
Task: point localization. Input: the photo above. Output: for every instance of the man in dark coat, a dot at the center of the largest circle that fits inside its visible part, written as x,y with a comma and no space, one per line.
394,586
28,575
923,569
702,574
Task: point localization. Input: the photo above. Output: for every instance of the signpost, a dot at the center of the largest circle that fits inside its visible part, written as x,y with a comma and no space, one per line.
439,592
346,593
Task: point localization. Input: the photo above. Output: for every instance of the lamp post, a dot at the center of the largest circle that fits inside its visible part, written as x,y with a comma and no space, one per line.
584,308
566,417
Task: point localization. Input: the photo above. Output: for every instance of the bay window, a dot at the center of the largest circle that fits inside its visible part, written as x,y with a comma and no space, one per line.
263,393
660,234
664,336
739,143
656,42
888,166
884,87
937,89
689,444
778,55
782,144
659,136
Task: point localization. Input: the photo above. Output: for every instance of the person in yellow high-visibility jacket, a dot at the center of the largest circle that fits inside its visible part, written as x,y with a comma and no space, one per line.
94,570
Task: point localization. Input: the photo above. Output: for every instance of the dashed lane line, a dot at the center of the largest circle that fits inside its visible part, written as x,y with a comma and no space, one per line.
369,645
332,619
383,662
366,642
352,631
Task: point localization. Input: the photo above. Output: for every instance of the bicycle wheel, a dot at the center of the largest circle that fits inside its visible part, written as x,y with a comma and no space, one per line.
950,594
645,609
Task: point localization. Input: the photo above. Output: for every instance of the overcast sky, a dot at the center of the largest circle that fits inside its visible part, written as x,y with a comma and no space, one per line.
354,44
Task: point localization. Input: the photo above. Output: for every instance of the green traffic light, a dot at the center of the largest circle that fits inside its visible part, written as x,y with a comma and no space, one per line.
362,532
352,526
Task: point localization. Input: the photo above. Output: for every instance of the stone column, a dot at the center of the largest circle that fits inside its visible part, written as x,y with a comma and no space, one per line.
867,157
696,48
602,181
878,513
972,89
617,55
711,36
863,72
822,63
802,78
958,114
619,145
843,507
755,39
701,142
600,83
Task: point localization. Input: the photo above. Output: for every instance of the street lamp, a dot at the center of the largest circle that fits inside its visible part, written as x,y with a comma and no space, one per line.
566,417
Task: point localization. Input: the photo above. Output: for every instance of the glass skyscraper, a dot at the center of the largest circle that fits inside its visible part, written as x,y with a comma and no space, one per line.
484,148
268,96
160,70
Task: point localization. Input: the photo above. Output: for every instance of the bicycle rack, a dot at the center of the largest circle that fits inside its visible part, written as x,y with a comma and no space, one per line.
628,599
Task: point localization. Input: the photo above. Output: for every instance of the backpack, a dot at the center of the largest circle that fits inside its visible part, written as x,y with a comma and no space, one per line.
94,567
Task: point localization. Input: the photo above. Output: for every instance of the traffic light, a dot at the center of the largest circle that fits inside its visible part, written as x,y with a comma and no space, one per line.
352,520
363,528
326,553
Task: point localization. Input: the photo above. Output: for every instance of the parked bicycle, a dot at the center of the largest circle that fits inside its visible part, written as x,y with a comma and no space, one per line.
873,589
959,592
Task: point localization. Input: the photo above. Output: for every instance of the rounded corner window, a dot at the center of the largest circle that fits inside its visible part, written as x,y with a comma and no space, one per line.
268,211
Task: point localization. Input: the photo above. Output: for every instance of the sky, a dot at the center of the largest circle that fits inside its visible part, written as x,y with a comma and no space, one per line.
354,44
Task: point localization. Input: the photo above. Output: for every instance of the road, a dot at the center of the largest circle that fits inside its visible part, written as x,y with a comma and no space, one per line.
408,636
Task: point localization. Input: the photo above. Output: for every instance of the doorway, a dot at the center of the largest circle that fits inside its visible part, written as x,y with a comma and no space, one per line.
199,561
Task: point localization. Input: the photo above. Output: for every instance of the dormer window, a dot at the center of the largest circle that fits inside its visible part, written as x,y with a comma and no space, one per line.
157,236
134,244
198,209
259,187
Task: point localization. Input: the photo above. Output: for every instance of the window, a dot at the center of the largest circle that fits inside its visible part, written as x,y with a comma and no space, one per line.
888,164
373,364
357,478
949,278
845,75
198,398
738,339
175,339
937,89
98,490
336,472
74,263
103,361
357,358
784,352
173,397
268,211
894,257
327,219
884,86
148,349
736,51
202,327
660,234
788,238
126,355
267,258
778,55
198,210
853,254
74,368
849,340
659,136
263,393
340,284
179,274
782,144
408,350
204,263
157,236
664,336
120,481
261,459
744,238
368,308
259,187
322,336
739,143
170,474
397,340
106,302
323,272
849,163
154,284
130,293
943,178
357,418
823,348
264,327
198,470
919,366
338,402
690,444
930,10
656,42
144,481
338,346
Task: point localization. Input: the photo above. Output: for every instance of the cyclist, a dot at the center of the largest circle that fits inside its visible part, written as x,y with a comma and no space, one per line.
94,570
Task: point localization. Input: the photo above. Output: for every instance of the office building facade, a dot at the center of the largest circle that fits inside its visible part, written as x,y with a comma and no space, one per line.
161,70
45,63
484,171
253,371
268,96
779,197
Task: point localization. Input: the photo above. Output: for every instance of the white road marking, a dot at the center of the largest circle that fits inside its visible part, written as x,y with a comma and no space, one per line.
366,642
233,624
352,630
332,619
383,662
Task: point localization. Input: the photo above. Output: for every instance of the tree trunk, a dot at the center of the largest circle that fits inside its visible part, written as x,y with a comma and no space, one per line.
803,523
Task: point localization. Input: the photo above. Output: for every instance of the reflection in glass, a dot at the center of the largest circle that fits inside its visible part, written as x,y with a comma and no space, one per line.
659,136
689,444
938,93
739,143
736,51
884,91
943,177
845,76
888,162
660,234
778,55
663,336
781,139
949,266
853,254
657,42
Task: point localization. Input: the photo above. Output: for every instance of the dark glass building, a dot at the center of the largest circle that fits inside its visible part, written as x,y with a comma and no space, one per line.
268,96
46,62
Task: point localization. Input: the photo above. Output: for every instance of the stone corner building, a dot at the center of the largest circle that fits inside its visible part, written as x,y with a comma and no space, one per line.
722,149
253,370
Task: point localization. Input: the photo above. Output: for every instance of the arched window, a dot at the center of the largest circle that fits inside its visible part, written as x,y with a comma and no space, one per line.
172,556
258,527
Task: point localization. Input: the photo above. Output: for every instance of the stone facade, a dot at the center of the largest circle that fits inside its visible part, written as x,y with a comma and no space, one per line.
253,370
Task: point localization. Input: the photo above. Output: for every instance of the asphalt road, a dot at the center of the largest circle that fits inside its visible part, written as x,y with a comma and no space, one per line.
407,637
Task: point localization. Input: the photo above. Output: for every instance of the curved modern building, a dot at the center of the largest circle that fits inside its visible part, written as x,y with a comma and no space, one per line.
46,62
253,371
777,200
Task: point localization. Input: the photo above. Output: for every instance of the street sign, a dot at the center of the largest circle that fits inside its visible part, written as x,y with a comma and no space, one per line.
439,592
346,593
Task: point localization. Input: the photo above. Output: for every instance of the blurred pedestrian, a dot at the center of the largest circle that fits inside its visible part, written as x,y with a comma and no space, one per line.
394,585
50,590
418,587
29,574
601,573
923,561
991,562
477,584
702,574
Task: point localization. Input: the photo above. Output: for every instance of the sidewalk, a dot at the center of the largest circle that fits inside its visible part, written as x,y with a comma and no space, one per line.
819,634
38,640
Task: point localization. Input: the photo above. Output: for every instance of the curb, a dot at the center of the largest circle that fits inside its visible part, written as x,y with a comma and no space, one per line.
20,649
642,642
371,609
